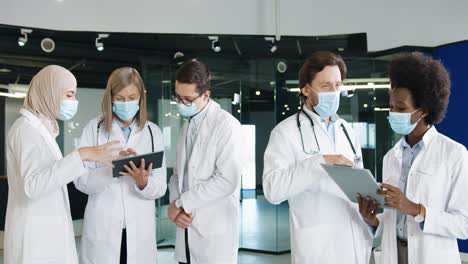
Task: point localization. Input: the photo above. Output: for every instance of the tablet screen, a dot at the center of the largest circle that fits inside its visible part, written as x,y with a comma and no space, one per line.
155,157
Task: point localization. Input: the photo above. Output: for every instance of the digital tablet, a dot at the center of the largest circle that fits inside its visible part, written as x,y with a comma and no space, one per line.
154,157
354,180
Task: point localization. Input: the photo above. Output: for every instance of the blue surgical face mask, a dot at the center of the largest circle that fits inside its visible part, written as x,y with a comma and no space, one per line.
187,111
401,122
68,109
126,111
328,103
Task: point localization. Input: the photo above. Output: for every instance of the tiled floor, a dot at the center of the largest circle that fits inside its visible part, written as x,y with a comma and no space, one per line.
263,226
166,256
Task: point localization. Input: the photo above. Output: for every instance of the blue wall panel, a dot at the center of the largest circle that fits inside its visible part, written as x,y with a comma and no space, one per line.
455,124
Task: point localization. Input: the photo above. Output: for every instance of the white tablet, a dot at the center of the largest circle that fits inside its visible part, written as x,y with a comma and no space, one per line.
354,180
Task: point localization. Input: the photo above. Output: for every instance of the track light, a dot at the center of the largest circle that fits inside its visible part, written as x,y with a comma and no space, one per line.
22,40
100,45
272,44
215,46
179,58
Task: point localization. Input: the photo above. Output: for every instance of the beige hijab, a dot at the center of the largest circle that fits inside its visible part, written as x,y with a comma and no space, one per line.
45,94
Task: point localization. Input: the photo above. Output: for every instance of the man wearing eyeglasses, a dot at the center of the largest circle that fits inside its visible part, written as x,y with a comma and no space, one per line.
204,189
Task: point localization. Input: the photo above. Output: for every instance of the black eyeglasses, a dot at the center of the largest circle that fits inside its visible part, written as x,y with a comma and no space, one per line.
185,101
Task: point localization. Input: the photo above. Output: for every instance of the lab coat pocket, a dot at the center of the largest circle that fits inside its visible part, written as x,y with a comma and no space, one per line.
215,219
307,253
303,209
47,238
422,178
377,252
429,186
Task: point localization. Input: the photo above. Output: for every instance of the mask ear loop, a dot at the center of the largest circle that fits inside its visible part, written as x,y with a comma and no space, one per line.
305,97
419,109
302,98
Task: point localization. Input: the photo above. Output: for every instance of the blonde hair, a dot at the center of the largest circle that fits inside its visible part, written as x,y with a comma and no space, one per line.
46,91
118,80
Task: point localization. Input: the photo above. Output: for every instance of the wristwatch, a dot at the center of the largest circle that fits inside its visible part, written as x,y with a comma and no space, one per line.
419,218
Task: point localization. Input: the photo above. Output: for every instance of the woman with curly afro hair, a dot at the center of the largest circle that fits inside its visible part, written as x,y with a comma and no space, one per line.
425,174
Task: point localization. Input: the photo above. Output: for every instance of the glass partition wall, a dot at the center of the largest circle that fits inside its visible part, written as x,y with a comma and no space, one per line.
260,94
256,85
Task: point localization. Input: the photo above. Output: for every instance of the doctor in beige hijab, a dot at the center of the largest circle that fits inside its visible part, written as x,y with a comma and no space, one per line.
38,225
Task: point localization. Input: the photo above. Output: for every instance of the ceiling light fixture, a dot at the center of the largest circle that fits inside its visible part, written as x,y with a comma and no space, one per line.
99,44
22,40
215,46
272,44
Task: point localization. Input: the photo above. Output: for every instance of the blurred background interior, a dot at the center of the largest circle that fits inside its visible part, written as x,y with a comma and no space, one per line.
254,52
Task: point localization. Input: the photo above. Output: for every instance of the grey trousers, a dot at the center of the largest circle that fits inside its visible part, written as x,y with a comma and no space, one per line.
402,247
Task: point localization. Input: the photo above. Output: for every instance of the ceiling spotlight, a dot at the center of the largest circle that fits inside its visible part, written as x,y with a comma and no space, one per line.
100,45
48,45
271,44
22,40
281,67
179,58
215,46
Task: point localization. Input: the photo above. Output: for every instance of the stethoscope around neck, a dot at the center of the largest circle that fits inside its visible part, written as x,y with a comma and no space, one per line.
108,135
357,158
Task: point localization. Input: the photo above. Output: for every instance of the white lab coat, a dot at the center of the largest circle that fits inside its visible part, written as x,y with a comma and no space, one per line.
214,184
115,202
438,179
39,227
326,226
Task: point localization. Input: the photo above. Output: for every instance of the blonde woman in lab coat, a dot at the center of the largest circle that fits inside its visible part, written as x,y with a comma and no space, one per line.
38,225
425,174
120,218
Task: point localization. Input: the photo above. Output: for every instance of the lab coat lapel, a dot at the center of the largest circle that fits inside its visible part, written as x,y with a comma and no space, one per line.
307,136
397,155
326,145
116,134
135,136
52,144
204,132
182,155
422,158
341,142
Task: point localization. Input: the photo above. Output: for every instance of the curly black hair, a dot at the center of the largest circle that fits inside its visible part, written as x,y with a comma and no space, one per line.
427,81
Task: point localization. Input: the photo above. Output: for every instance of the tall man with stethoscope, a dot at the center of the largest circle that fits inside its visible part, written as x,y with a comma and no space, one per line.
325,226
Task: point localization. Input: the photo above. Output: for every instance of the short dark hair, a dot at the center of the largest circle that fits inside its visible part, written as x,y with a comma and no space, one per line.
316,63
427,81
195,72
